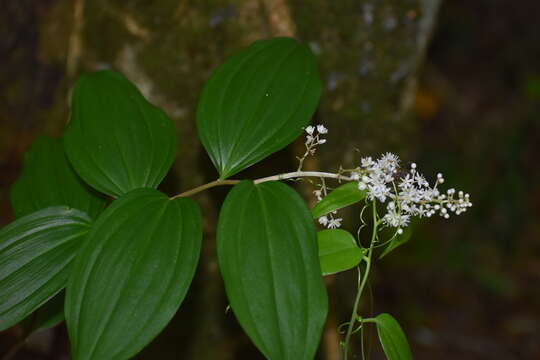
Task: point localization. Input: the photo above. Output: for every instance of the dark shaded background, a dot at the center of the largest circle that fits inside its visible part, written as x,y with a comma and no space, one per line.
465,288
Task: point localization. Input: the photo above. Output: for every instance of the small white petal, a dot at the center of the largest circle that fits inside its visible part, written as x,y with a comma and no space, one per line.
321,129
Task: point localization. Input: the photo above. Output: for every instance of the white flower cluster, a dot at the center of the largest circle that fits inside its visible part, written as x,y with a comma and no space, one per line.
409,195
330,221
313,137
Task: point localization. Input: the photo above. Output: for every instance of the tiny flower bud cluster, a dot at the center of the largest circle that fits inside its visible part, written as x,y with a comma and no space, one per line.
313,137
409,195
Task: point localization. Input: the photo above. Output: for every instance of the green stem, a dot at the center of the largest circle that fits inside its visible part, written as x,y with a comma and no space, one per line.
284,176
354,314
204,187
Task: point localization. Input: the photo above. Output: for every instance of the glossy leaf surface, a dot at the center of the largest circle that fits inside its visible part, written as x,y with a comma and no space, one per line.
344,195
338,251
257,102
267,250
116,140
36,252
132,274
47,179
392,338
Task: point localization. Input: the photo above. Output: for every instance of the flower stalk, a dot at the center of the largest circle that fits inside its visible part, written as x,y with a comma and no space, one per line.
368,260
284,176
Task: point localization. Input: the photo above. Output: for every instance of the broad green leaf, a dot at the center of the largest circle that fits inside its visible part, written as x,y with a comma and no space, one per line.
257,102
344,195
116,140
131,276
36,252
397,241
47,179
392,337
267,251
338,251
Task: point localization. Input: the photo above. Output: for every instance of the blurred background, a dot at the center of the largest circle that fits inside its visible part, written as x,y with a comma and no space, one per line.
451,85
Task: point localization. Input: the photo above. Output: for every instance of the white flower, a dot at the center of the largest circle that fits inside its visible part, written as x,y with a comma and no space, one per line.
334,223
361,186
420,180
378,191
367,162
323,220
388,162
310,129
321,129
394,219
406,182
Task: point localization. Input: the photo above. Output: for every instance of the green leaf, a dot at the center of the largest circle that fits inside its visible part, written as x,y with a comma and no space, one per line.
397,241
257,102
131,276
35,254
344,195
47,179
116,140
267,251
338,251
392,337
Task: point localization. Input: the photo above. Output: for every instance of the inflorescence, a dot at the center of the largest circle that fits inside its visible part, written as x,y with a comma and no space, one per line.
405,195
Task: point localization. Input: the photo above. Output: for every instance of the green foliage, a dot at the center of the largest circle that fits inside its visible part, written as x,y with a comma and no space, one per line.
132,274
116,140
338,251
392,337
47,179
267,253
343,196
35,256
257,102
129,276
